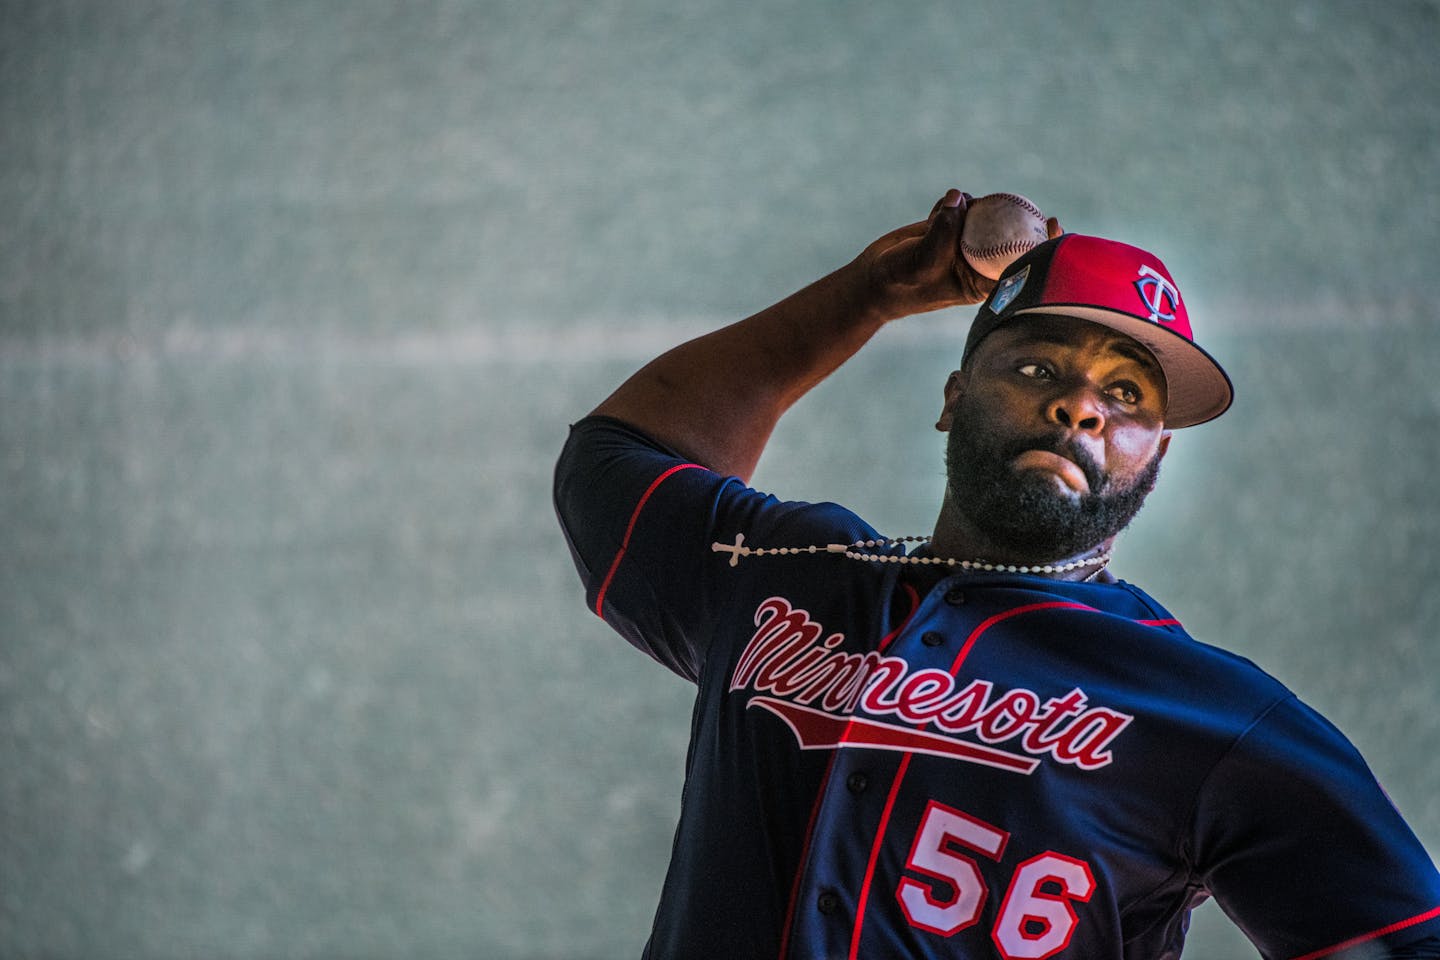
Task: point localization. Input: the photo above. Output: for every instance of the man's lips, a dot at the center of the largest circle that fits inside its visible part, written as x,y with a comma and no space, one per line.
1067,470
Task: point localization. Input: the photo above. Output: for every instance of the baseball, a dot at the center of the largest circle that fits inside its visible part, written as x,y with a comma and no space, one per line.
998,229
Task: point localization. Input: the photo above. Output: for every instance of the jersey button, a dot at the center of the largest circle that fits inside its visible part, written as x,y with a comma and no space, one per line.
932,639
828,902
857,782
955,596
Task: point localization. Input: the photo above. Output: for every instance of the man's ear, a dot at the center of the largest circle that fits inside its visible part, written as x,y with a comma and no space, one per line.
954,389
1165,443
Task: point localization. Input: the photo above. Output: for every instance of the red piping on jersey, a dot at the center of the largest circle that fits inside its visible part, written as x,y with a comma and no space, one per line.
885,641
804,856
1365,937
905,763
889,638
875,855
1006,615
625,542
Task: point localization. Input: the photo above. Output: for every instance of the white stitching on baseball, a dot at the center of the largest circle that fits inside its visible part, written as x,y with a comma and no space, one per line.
1014,246
1020,201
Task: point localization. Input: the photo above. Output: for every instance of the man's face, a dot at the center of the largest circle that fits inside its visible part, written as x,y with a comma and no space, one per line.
1056,433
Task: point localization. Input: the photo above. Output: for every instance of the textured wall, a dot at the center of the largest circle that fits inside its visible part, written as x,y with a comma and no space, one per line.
297,298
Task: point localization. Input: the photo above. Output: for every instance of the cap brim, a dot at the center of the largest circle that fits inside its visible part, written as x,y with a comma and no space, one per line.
1197,387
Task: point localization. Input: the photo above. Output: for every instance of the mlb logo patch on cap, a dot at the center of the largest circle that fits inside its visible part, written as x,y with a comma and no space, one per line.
1007,290
1121,287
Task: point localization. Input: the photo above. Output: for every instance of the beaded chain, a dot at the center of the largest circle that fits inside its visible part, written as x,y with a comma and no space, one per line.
856,551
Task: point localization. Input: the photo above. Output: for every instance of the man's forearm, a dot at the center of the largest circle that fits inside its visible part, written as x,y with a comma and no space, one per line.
717,398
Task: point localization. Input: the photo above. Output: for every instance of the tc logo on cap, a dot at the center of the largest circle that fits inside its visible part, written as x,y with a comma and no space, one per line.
1159,295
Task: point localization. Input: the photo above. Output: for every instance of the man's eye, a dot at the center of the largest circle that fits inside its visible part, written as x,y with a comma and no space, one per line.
1035,371
1125,393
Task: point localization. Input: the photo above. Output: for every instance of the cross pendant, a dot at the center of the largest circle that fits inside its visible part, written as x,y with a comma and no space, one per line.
736,552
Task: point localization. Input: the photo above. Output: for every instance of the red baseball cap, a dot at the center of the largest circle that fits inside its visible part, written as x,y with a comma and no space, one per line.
1121,287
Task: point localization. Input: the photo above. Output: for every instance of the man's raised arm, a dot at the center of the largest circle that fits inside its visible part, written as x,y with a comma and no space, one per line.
717,398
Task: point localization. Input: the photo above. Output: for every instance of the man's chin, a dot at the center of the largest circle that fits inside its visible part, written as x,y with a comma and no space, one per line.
1036,512
1049,485
1037,519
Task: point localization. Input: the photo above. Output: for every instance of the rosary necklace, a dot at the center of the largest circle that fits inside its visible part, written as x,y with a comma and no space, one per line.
860,550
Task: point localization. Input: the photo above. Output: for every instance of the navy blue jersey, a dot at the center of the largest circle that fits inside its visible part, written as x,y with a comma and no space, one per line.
984,765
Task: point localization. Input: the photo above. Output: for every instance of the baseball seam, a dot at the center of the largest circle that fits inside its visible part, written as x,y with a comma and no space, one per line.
1013,248
1002,249
1024,204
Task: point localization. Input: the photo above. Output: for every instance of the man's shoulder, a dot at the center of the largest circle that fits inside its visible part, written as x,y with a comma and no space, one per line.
1138,628
622,465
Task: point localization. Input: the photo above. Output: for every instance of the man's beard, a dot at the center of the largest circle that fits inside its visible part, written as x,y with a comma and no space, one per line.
1023,511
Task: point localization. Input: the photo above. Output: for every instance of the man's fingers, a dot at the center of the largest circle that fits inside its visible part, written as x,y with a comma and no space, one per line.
940,244
918,267
952,198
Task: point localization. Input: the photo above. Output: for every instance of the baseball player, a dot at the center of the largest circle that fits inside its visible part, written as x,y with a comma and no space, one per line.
978,743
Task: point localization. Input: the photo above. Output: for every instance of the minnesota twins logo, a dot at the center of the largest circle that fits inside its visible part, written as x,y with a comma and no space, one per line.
832,700
1159,294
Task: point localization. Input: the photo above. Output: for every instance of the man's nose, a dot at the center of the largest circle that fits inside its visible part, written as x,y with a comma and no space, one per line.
1078,409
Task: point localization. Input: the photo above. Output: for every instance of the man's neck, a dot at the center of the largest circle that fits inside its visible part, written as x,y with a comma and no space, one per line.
957,537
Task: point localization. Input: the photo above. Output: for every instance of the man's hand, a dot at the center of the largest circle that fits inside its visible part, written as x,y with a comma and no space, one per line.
918,268
716,399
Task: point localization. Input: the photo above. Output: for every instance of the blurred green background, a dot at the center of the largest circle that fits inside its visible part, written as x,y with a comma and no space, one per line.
297,298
